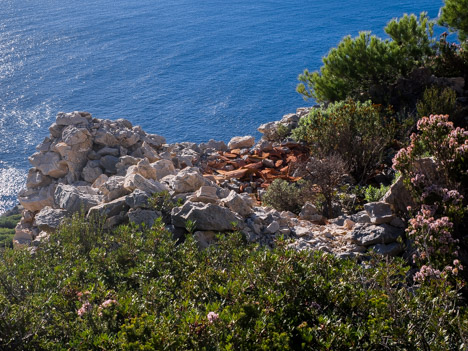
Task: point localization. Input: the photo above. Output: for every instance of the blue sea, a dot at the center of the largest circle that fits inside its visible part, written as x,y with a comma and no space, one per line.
188,70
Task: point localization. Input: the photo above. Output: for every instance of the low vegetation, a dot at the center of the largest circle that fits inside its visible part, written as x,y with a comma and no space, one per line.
7,229
89,289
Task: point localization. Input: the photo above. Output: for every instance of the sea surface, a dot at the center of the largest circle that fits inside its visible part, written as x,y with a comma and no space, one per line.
185,69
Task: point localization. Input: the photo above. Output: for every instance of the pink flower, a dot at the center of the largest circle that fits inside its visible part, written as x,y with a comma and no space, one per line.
108,303
213,317
85,308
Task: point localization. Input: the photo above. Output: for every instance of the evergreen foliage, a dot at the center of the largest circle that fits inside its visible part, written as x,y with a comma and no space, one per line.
437,101
89,289
365,63
454,15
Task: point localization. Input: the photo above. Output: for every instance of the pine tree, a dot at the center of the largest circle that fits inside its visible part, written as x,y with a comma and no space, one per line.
454,15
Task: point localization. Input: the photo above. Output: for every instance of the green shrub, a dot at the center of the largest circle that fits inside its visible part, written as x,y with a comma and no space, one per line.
285,196
437,101
358,132
373,194
164,203
7,229
360,65
10,221
134,289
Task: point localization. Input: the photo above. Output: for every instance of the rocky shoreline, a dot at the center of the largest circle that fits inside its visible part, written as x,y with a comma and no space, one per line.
112,169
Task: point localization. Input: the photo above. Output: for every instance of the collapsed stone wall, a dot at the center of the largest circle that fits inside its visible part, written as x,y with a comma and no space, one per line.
112,168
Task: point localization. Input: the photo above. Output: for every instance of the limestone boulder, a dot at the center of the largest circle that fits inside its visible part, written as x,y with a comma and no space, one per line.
76,198
143,168
215,145
105,137
72,118
206,194
36,179
206,217
138,199
399,197
91,171
137,181
109,209
141,216
379,212
49,164
163,168
241,142
369,234
49,219
187,180
72,135
238,204
36,199
113,188
154,140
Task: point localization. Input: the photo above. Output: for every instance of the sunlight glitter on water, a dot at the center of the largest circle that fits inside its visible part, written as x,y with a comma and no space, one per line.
12,180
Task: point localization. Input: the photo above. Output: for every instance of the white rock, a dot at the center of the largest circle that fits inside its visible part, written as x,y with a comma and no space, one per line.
36,199
205,216
206,194
72,118
187,180
238,204
379,212
136,181
49,164
143,168
49,219
76,198
272,228
241,142
163,168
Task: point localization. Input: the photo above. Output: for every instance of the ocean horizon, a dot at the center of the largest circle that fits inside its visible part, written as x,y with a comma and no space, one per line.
187,70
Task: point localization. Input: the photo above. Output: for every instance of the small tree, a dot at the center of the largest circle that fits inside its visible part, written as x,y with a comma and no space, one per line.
454,15
359,65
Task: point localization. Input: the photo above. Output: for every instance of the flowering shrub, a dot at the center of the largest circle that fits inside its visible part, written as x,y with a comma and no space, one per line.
438,222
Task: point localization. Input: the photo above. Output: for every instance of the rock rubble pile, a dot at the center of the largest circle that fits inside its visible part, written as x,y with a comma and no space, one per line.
113,169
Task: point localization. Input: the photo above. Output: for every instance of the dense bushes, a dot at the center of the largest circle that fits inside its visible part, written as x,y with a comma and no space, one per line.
360,65
437,101
358,132
88,289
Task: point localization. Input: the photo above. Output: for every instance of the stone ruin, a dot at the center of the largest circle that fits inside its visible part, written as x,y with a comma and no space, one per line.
112,168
